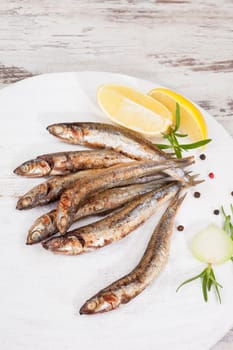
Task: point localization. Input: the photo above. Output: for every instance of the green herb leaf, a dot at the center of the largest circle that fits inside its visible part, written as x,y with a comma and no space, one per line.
195,144
172,136
162,146
208,280
231,230
228,224
223,211
204,288
190,280
209,284
180,135
165,136
176,147
177,125
216,285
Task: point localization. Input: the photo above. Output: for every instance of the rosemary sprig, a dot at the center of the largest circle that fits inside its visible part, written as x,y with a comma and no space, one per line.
208,281
173,136
228,223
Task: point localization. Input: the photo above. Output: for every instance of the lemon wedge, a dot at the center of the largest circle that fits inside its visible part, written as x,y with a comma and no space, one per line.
134,110
191,119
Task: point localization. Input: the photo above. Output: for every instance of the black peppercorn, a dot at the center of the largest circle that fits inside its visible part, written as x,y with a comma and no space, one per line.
202,156
197,194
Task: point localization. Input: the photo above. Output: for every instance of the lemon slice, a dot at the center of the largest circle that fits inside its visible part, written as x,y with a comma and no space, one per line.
133,110
191,119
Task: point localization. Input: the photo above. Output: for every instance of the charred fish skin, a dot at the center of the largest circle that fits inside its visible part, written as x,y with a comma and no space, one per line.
153,261
71,199
100,203
63,163
50,190
67,162
100,135
42,228
38,195
33,168
128,142
114,227
45,192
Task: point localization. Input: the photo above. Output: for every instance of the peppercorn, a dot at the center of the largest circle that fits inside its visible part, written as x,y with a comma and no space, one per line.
180,228
211,175
216,212
197,194
202,156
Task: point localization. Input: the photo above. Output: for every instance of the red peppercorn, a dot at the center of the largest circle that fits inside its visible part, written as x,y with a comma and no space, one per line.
180,228
211,175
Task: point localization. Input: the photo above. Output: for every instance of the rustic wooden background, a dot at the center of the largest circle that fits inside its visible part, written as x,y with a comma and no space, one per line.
186,45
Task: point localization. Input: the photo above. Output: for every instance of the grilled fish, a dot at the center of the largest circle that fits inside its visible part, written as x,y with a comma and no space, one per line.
50,190
114,227
71,199
101,203
128,142
150,266
63,163
99,135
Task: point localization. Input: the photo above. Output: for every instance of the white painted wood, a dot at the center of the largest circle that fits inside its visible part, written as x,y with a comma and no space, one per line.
184,44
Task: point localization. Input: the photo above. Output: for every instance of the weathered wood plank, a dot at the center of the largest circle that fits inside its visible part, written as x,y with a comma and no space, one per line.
184,44
12,74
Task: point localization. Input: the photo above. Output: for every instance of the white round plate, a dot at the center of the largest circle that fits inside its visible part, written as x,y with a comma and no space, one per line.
41,293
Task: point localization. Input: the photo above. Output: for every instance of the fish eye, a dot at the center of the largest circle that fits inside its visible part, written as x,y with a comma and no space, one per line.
26,201
92,305
25,167
36,235
58,129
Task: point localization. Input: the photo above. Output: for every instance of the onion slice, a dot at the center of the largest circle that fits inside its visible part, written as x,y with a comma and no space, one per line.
212,245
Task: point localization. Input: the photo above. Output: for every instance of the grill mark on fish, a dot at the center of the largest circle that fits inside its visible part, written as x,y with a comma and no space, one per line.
71,199
63,163
33,168
153,261
101,203
113,228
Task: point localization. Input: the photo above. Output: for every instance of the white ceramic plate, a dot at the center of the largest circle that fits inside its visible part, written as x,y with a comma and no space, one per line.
41,293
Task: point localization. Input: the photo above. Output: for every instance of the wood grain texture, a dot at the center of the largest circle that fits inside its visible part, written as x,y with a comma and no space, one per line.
186,45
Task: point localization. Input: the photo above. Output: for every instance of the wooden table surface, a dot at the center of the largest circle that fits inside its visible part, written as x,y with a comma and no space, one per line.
183,44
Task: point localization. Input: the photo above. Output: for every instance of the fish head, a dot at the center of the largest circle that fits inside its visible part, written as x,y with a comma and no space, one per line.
103,302
35,235
33,168
41,229
24,202
68,245
37,195
69,132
